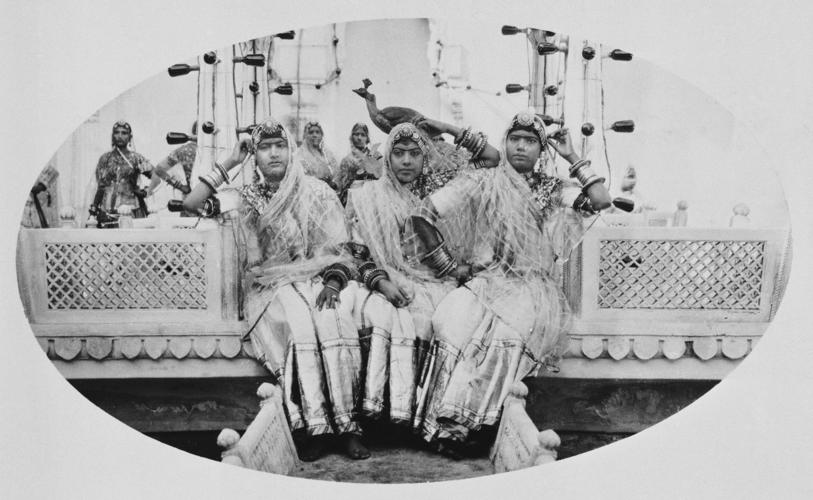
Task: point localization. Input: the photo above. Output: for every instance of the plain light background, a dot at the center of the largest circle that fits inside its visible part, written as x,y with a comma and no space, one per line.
748,437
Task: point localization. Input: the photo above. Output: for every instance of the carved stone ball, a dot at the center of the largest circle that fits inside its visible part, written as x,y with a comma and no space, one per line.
266,390
549,440
227,438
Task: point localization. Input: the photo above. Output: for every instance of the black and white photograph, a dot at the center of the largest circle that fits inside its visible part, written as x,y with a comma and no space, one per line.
404,249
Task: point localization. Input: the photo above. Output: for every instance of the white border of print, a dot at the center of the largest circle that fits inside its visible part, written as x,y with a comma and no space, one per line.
748,437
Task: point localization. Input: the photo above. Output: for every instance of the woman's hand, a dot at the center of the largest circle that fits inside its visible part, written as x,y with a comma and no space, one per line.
393,293
329,296
238,154
561,142
429,125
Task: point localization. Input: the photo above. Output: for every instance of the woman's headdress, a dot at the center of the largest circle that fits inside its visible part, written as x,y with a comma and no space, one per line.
529,122
268,129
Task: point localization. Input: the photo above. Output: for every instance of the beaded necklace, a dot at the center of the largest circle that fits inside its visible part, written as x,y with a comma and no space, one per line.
543,188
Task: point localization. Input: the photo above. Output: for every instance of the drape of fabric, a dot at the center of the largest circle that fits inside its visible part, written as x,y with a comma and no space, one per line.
320,164
512,318
289,235
394,339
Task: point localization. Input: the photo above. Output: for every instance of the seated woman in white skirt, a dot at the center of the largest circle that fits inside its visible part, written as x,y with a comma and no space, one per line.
502,229
300,297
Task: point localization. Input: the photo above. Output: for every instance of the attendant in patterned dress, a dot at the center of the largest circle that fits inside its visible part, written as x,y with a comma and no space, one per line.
299,292
117,174
361,165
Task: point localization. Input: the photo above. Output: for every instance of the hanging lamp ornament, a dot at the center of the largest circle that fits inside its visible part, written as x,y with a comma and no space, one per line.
284,89
623,126
286,35
548,48
513,88
256,60
179,138
549,120
511,30
619,55
185,69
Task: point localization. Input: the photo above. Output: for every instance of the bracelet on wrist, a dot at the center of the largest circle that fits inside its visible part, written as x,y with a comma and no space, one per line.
338,272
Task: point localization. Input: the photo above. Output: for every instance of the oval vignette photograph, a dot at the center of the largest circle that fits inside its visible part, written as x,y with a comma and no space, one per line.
403,250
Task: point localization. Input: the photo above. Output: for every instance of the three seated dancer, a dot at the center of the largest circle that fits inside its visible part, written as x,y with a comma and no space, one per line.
496,227
394,306
299,306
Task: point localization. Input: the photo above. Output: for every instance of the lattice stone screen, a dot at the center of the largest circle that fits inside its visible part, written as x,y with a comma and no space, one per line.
642,280
128,276
682,274
125,275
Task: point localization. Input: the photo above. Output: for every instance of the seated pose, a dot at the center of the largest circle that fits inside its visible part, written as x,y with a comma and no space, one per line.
495,228
399,294
299,309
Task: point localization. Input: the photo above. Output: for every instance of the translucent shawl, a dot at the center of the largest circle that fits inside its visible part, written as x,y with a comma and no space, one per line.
492,218
294,232
379,212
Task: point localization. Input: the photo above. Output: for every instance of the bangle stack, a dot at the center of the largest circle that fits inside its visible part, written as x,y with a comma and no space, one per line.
440,260
216,177
582,171
474,142
339,272
372,275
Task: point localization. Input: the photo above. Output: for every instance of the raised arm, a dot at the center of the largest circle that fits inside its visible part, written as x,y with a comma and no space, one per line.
592,185
210,182
161,172
483,154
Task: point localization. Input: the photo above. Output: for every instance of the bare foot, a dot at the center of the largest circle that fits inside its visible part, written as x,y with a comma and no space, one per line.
353,447
310,449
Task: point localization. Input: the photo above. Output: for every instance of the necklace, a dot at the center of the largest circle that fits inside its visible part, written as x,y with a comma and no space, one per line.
543,188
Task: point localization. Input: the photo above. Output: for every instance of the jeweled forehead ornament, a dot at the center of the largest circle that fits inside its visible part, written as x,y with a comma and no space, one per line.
410,132
268,129
122,124
530,122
